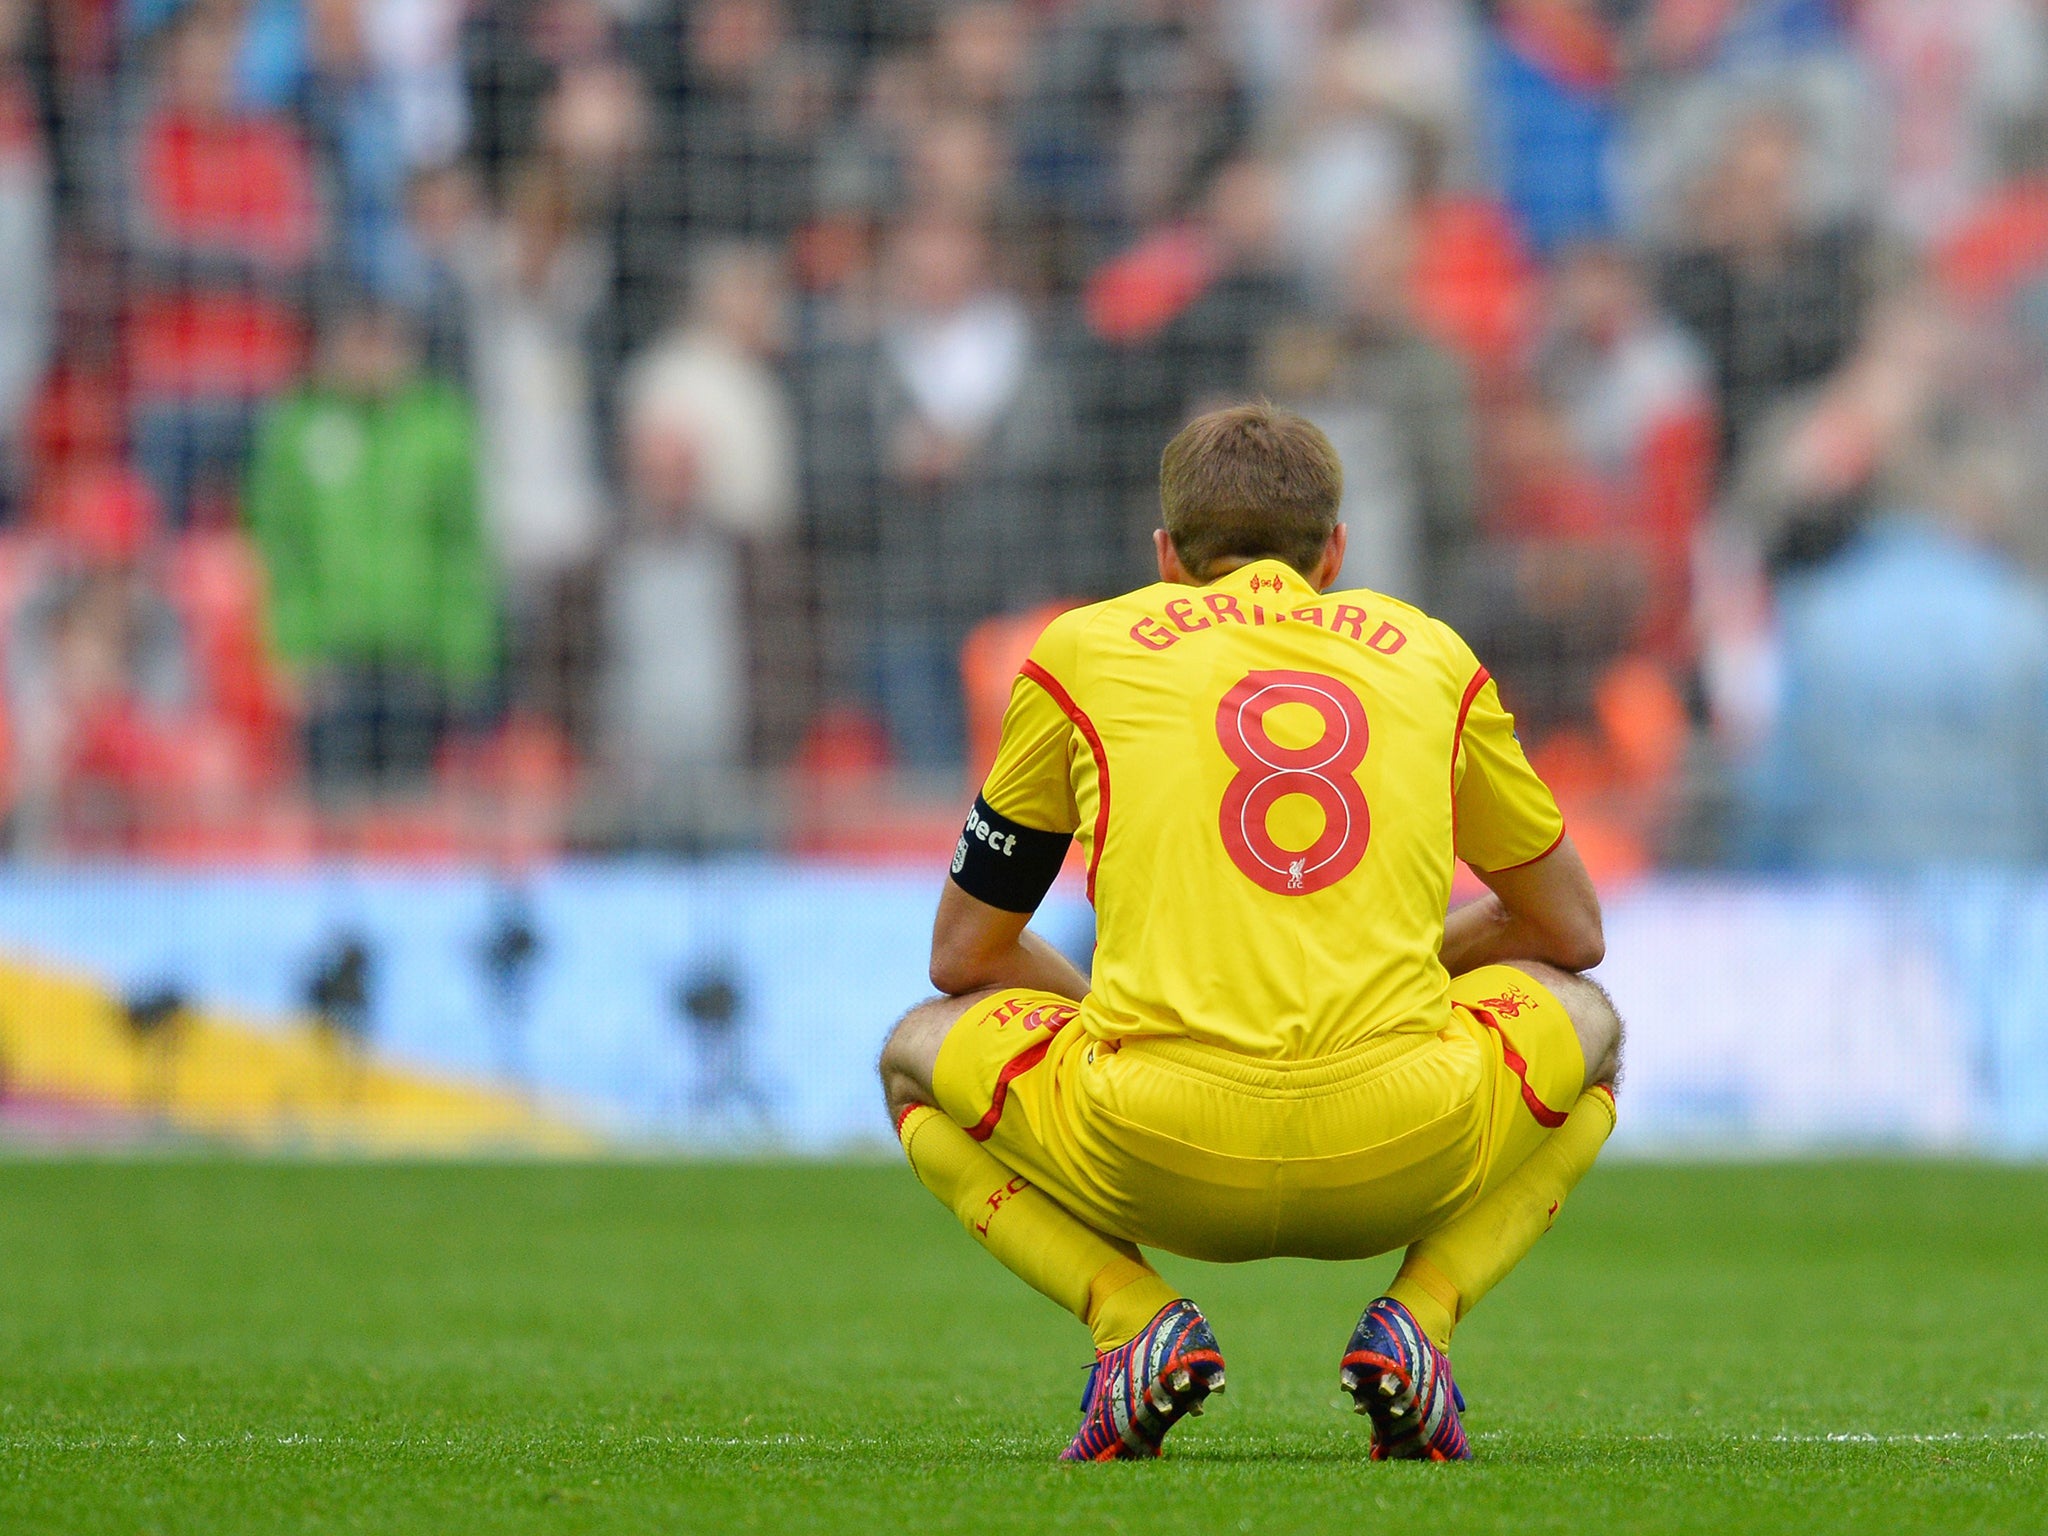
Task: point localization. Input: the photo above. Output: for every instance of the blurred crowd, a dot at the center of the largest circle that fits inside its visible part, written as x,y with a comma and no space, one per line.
517,424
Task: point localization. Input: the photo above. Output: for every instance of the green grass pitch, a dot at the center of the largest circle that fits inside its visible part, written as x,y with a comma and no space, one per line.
220,1346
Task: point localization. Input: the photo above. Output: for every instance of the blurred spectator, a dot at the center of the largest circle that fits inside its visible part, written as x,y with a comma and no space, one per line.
442,208
1913,718
378,83
959,167
1212,277
1477,289
414,47
708,429
1580,596
1132,108
1992,263
1388,110
1550,84
936,132
1398,406
942,437
954,359
224,223
1956,77
98,671
362,499
514,53
385,82
1621,368
865,164
1701,67
981,56
534,279
26,240
955,339
594,126
1213,343
743,105
1181,319
1776,304
711,463
1411,60
1816,464
72,49
1636,395
1557,589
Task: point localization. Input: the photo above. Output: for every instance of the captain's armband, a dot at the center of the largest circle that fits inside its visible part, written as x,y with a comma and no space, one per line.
1004,864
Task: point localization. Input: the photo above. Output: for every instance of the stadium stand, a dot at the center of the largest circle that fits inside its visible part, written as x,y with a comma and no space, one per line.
701,373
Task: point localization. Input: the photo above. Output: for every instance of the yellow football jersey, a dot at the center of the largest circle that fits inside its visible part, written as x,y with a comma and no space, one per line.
1269,785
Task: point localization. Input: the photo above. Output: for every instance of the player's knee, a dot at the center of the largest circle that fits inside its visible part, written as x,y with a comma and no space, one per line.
1594,1018
893,1066
910,1053
1600,1029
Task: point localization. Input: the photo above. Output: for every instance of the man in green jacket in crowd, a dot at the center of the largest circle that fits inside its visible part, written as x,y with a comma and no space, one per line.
383,594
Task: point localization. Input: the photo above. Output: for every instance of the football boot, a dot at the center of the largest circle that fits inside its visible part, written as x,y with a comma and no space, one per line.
1140,1390
1401,1381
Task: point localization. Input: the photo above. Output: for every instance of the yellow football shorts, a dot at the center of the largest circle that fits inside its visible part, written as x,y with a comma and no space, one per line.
1215,1155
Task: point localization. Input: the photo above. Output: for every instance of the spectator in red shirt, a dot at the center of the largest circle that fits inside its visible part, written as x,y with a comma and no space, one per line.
1636,394
224,222
99,676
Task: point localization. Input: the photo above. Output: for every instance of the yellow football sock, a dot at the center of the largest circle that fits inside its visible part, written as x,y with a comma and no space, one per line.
1444,1275
1105,1283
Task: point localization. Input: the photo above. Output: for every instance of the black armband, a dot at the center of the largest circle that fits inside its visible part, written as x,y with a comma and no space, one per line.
1005,864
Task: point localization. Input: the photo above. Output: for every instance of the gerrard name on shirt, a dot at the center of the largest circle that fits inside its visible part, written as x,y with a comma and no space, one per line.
1186,616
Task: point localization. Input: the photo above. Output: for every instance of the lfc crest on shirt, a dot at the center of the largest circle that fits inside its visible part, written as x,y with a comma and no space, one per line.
1509,1004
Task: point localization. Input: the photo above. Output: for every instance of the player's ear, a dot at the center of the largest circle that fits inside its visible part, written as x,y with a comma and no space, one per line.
1170,568
1331,566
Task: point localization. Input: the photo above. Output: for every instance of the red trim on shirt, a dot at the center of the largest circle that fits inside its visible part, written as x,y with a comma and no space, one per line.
1479,681
1548,1118
1086,727
1555,844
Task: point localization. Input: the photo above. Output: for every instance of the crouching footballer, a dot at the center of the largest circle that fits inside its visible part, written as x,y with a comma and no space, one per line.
1286,1047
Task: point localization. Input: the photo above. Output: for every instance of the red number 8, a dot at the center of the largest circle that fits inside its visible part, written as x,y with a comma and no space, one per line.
1266,772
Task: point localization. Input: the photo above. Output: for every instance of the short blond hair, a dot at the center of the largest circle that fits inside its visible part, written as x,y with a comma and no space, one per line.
1249,482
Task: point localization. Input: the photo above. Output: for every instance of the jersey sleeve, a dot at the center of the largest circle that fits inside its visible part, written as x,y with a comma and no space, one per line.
1029,782
1504,815
1021,824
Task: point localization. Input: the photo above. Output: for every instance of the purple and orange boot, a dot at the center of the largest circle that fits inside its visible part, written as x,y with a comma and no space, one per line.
1140,1390
1399,1379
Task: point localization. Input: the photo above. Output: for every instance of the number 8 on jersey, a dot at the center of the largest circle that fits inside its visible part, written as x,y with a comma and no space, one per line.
1267,772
